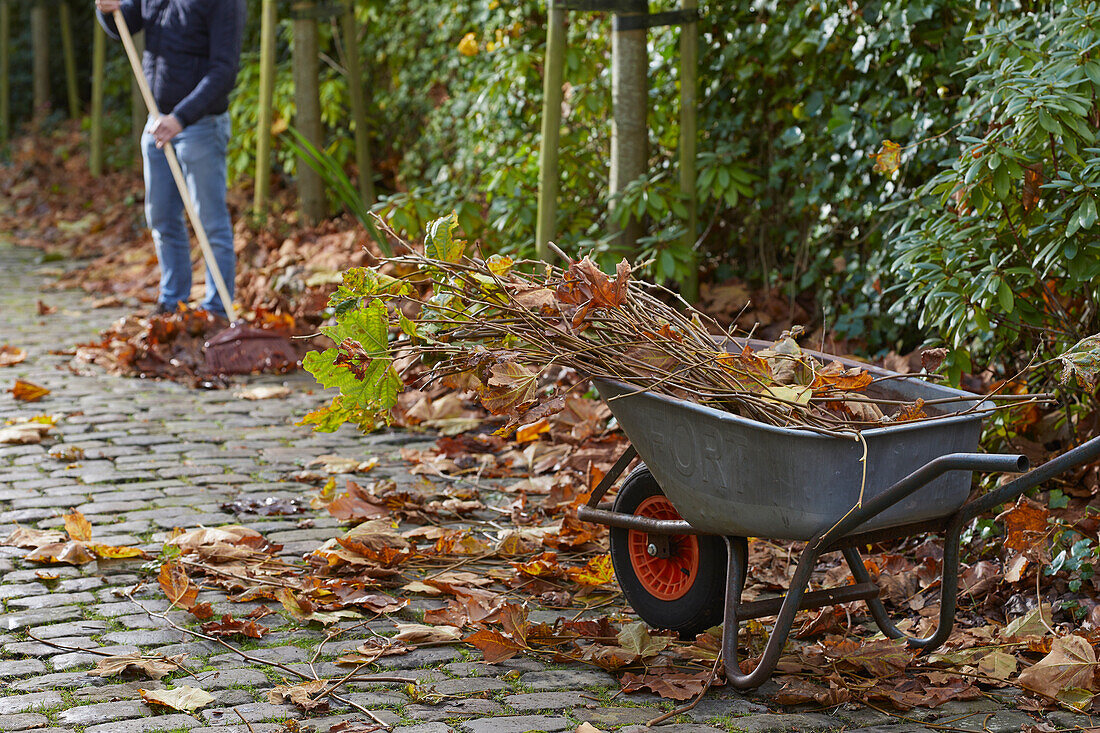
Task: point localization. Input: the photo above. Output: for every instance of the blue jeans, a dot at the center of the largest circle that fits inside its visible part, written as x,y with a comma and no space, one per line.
200,148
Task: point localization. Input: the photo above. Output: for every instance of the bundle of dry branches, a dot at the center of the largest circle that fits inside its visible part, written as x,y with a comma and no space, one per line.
496,325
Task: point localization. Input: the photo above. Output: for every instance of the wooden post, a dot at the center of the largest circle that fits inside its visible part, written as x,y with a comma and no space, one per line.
5,78
549,172
99,58
308,118
268,29
356,91
689,55
138,112
630,103
40,41
70,60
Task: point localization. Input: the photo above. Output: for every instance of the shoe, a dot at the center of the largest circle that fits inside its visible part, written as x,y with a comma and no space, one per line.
162,310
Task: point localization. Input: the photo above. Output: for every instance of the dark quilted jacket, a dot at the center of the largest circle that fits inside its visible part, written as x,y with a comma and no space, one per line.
192,51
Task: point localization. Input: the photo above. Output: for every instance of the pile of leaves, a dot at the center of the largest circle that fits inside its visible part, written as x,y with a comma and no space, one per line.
495,326
172,345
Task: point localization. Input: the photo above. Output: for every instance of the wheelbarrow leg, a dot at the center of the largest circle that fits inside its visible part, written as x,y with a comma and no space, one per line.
949,592
738,551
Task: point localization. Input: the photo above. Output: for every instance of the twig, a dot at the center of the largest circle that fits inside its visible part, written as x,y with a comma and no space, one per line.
247,724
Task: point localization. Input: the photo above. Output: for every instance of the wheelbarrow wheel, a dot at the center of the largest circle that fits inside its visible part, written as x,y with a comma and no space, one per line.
679,586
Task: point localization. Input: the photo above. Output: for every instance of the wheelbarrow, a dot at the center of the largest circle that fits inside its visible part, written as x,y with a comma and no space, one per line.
711,479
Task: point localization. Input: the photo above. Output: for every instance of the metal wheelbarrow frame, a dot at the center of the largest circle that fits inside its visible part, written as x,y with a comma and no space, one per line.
847,533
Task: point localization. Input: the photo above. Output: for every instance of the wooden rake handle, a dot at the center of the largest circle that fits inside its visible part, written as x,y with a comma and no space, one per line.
177,172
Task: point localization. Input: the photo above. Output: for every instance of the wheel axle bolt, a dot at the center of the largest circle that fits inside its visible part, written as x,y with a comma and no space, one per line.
651,549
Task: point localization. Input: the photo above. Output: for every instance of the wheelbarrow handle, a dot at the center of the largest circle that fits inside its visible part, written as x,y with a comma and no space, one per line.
1082,454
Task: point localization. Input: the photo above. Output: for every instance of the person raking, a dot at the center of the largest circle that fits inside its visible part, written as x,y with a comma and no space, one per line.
192,54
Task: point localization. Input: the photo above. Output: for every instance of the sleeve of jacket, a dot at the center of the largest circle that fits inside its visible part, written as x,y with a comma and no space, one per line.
226,25
131,11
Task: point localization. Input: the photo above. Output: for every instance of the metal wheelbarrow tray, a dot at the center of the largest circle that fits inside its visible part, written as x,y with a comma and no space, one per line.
711,479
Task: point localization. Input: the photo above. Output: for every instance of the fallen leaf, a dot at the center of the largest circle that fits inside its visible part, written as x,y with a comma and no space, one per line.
30,538
27,392
10,355
154,667
1031,192
635,638
423,634
230,626
24,433
183,698
62,553
177,586
263,392
114,552
303,695
78,528
1024,524
998,665
673,685
1070,665
494,646
1036,622
334,464
202,611
373,649
597,571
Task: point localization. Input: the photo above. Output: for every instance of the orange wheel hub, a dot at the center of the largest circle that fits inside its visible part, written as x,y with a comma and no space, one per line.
664,578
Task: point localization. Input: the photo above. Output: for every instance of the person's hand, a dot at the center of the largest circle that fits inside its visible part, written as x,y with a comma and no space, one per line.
165,128
107,6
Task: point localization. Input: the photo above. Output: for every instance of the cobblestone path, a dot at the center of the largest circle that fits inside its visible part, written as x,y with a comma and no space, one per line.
157,456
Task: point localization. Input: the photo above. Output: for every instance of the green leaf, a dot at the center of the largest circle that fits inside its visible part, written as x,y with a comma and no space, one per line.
1001,182
1005,297
376,392
361,282
440,243
1048,123
1087,213
1092,70
368,327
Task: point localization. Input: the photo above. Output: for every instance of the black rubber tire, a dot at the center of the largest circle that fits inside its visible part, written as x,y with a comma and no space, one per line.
702,605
